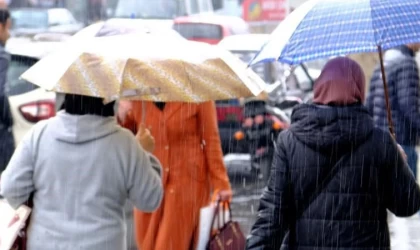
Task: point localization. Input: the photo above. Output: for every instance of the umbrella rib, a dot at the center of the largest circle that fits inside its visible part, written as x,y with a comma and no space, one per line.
297,27
188,75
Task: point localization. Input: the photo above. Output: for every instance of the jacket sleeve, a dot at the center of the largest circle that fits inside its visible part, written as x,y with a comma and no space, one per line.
207,123
17,180
144,183
6,118
402,193
408,81
272,224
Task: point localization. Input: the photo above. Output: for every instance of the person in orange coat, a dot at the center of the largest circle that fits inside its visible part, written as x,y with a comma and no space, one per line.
188,147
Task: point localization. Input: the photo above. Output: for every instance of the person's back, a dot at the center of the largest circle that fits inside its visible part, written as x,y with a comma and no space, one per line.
404,96
350,211
84,168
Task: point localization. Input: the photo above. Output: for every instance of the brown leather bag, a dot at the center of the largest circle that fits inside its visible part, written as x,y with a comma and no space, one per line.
229,236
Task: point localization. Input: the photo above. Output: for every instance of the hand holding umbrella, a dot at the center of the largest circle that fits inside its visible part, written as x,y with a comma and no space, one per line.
146,139
325,28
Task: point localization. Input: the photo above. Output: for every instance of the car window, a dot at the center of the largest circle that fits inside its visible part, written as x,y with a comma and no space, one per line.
199,31
18,65
60,17
246,57
68,18
29,19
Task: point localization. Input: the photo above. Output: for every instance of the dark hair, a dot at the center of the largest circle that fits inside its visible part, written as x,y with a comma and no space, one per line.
4,16
87,105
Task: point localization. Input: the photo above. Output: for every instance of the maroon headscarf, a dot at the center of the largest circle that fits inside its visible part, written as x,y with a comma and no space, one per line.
342,82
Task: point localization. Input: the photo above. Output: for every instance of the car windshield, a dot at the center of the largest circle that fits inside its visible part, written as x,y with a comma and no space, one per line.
156,9
17,67
29,19
199,31
246,57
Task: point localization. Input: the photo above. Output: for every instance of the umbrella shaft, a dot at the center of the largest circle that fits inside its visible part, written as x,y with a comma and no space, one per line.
388,107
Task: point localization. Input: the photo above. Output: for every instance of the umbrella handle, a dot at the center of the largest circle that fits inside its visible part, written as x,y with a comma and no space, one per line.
388,107
143,112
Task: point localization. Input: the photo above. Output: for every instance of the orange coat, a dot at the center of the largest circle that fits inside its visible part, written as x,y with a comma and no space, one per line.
188,147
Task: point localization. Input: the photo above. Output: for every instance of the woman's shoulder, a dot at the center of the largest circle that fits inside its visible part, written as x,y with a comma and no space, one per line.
126,138
37,130
382,136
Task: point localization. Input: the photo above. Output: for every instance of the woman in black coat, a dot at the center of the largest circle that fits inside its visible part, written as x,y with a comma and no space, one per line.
334,174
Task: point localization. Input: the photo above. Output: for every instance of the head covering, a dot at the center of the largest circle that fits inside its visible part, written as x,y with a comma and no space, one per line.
87,105
342,82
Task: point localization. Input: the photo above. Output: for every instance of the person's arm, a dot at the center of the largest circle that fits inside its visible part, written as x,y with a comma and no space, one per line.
207,123
407,83
271,224
6,118
402,193
16,183
144,183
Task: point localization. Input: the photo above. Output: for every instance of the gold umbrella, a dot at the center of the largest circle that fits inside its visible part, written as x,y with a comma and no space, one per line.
146,67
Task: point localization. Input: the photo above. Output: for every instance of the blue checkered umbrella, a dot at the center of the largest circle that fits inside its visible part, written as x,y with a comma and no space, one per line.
324,28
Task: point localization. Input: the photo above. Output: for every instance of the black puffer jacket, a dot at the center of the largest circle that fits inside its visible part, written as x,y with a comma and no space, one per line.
404,95
7,142
350,213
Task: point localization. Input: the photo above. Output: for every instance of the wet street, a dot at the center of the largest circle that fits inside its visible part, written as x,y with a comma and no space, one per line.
247,190
245,201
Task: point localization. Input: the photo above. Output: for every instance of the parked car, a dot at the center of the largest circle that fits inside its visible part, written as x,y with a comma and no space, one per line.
32,21
29,103
209,28
246,46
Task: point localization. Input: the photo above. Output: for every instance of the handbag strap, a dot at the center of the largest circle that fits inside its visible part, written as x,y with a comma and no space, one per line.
217,211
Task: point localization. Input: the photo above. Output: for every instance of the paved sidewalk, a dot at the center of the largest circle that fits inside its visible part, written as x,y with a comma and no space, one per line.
405,232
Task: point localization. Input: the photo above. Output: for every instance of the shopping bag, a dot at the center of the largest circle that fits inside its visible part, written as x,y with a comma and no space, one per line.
208,225
205,226
229,236
12,223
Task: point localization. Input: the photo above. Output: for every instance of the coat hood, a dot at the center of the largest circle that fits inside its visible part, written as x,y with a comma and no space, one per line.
323,127
81,128
398,54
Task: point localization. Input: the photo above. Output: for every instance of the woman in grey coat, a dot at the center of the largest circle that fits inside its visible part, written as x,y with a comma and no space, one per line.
81,168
